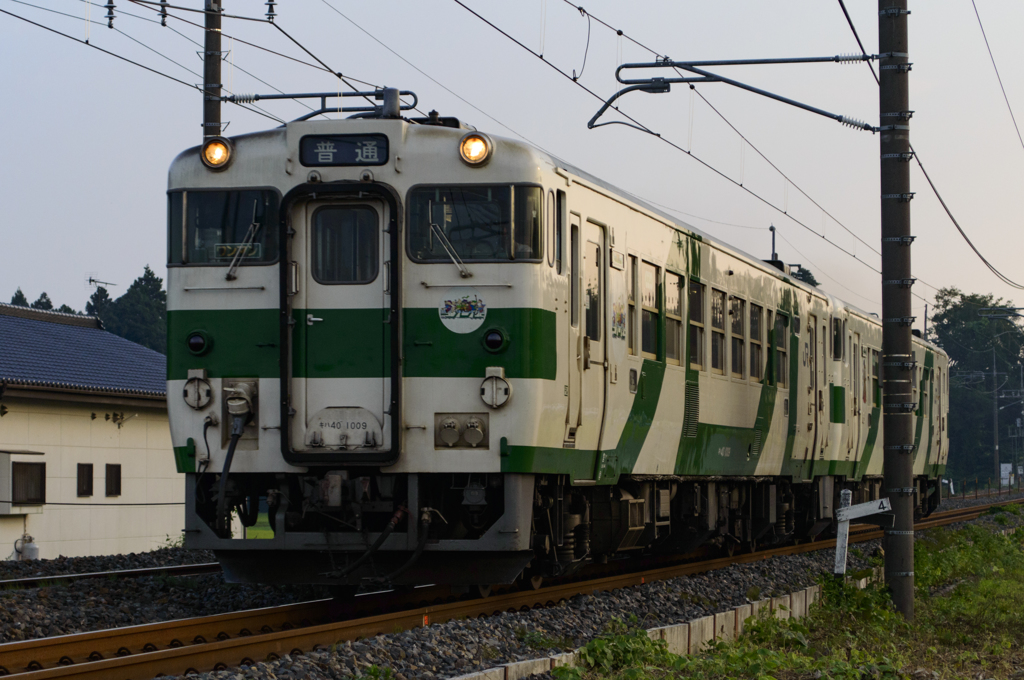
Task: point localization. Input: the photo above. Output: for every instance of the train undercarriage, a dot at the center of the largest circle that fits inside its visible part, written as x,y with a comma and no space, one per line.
365,529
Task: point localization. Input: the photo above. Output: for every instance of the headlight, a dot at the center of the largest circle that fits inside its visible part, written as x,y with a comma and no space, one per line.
475,148
216,153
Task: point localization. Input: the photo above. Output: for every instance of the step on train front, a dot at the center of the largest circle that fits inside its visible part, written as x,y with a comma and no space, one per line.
410,352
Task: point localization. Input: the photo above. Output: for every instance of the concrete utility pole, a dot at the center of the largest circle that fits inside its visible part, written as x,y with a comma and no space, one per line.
995,417
211,71
897,318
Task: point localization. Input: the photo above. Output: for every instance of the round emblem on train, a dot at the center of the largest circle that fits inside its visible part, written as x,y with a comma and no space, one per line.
462,310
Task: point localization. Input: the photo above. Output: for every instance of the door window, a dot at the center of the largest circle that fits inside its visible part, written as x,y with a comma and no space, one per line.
649,315
592,291
782,366
696,300
736,321
718,331
673,318
756,353
345,245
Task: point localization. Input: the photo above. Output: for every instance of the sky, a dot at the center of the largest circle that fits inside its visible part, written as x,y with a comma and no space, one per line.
89,138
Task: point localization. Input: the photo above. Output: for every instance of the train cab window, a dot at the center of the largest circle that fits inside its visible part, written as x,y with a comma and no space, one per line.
837,339
756,350
344,245
222,227
673,318
737,319
592,291
480,223
717,331
631,274
696,301
649,311
781,365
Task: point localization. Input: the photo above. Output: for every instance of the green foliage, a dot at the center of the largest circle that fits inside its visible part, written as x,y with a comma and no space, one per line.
67,309
376,673
968,339
42,302
805,275
536,639
19,299
140,315
173,542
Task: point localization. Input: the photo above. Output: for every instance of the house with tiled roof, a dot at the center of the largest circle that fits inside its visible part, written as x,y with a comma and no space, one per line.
86,463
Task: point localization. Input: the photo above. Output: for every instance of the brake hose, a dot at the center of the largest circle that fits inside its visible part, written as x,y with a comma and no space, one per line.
224,527
420,545
392,523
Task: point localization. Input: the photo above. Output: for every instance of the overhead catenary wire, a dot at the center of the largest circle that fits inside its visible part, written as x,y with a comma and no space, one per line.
672,144
996,69
1002,277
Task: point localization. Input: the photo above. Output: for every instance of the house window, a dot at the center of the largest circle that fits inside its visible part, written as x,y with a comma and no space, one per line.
649,313
85,479
696,299
631,274
113,480
717,331
737,314
673,318
756,351
28,483
782,367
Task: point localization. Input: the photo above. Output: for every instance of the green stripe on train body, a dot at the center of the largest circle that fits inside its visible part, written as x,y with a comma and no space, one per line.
245,343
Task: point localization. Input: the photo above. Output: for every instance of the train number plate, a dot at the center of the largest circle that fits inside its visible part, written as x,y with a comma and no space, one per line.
344,428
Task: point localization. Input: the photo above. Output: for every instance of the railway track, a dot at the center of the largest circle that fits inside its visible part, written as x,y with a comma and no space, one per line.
64,579
237,638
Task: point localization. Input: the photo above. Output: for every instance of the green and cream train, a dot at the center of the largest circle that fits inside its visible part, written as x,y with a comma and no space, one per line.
423,354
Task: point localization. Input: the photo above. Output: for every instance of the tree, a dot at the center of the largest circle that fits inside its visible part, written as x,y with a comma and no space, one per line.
19,299
969,340
140,315
99,303
68,310
805,275
43,302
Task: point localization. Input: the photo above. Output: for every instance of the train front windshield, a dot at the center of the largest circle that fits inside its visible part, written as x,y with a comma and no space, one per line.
481,223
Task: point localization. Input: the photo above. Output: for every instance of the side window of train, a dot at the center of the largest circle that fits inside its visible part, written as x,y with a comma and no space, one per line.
876,390
673,318
756,351
649,275
717,331
737,320
551,229
574,271
559,230
631,274
837,339
696,301
592,290
781,365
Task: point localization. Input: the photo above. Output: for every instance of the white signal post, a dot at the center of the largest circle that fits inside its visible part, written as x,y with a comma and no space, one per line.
846,512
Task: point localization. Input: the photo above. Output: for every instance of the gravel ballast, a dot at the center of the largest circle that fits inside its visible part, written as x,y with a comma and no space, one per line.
164,557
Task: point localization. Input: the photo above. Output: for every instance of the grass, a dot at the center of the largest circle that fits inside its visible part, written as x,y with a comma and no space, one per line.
970,623
261,529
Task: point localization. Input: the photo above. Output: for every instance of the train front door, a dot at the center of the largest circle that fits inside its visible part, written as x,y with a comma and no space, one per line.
342,335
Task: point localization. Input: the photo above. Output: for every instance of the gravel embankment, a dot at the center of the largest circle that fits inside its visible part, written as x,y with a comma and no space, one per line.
968,500
60,566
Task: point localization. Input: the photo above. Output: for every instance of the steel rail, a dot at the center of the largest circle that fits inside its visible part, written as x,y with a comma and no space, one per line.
62,579
208,650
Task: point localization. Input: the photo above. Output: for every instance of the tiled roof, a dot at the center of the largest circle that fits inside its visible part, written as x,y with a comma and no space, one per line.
66,351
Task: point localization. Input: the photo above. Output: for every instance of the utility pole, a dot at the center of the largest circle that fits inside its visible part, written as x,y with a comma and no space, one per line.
995,417
775,255
211,71
897,317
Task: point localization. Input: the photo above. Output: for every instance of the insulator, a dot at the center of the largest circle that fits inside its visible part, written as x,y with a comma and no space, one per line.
270,10
854,123
244,98
110,13
849,58
163,12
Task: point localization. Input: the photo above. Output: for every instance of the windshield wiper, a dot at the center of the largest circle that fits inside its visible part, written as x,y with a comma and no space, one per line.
250,236
450,249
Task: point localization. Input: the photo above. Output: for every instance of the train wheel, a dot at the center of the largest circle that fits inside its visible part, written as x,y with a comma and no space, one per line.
536,582
482,591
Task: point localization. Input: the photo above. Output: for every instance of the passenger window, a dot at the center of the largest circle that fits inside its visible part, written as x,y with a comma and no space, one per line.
649,313
875,389
696,300
673,318
717,331
345,245
782,366
737,319
756,352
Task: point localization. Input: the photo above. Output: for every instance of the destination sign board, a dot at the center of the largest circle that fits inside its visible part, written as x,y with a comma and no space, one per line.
334,150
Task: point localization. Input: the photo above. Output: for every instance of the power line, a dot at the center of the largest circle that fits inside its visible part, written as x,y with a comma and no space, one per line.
665,140
859,43
1002,277
996,68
